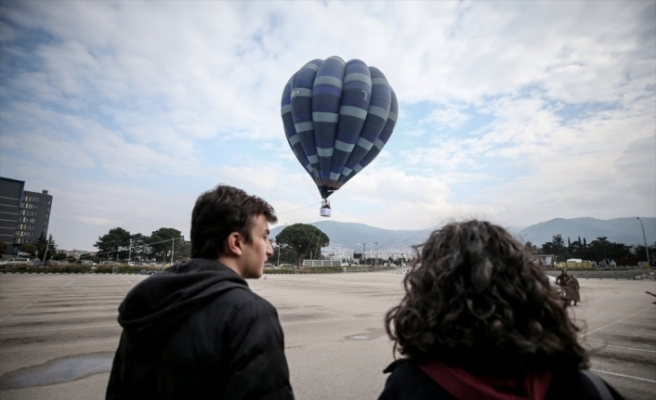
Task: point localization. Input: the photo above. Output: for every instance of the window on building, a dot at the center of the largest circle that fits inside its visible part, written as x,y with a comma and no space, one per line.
36,200
49,202
30,227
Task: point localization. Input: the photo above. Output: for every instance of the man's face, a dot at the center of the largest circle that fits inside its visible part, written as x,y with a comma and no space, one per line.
258,251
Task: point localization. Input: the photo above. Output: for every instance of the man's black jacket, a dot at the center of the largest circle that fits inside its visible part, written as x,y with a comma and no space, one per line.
197,331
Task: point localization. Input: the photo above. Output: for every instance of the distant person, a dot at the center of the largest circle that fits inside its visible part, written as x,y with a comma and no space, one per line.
562,278
196,330
479,320
572,293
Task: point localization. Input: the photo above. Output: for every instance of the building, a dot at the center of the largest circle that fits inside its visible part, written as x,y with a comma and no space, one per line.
24,215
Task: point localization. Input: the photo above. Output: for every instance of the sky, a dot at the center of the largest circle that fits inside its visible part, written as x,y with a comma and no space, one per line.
515,112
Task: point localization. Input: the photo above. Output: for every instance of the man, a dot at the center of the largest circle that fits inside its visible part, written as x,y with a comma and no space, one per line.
196,330
562,278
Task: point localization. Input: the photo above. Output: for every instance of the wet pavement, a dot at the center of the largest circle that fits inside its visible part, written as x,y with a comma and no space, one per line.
58,333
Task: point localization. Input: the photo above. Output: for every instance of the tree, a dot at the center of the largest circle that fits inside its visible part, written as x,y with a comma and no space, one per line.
139,246
118,239
28,248
641,254
287,255
42,244
531,248
558,243
302,239
60,255
161,241
3,247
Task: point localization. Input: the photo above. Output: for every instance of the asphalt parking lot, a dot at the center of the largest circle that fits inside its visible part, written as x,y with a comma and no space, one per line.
58,332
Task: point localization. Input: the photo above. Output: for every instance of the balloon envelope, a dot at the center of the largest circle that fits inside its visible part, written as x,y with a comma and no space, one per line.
337,116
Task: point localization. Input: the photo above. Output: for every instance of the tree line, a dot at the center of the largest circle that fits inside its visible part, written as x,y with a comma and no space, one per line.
596,250
43,249
164,244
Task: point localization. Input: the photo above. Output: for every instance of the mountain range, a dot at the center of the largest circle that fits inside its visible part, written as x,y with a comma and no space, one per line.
349,235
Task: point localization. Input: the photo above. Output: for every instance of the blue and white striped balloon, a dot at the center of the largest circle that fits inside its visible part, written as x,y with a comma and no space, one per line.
337,117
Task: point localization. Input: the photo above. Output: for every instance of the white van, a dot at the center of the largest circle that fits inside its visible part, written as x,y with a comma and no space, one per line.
18,261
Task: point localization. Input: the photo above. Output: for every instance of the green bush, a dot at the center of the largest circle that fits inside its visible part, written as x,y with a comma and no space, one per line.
55,269
125,269
279,271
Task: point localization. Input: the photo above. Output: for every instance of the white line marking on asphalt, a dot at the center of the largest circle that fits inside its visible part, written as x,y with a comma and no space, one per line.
638,323
624,376
341,315
68,283
635,333
128,281
622,347
324,320
314,321
612,323
62,329
21,309
296,312
58,347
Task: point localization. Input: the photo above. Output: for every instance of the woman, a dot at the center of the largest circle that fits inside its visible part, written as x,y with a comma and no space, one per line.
479,320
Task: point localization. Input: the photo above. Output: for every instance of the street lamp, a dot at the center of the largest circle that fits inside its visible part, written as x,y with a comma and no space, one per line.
278,247
645,239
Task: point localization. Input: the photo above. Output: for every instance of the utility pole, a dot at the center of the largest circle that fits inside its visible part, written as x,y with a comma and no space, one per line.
47,245
130,251
278,246
172,249
364,252
376,253
645,239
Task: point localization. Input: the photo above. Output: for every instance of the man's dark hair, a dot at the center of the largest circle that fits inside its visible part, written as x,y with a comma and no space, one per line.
476,298
220,212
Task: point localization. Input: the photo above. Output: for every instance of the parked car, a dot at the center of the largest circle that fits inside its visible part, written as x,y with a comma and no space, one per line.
87,262
38,263
18,261
52,263
146,272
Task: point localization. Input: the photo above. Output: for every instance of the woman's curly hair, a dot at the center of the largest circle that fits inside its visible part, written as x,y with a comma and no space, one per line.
476,298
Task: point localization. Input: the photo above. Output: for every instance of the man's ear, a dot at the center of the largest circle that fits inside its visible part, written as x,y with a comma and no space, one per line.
234,244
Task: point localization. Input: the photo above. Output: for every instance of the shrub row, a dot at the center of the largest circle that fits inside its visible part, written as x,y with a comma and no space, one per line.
80,269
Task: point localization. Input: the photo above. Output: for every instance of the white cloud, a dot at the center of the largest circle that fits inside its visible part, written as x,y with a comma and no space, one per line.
98,91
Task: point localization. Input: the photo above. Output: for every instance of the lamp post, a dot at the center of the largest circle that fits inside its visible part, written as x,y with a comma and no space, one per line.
645,239
278,247
376,254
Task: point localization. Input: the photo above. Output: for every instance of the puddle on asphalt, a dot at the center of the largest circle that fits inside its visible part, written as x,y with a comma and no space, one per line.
372,333
59,370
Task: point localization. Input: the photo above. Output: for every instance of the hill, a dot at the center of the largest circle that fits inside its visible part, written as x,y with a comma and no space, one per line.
349,235
621,230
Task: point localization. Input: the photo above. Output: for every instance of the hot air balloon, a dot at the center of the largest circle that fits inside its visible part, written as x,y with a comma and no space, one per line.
337,117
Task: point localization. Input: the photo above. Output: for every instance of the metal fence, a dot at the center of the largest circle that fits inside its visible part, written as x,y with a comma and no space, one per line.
321,263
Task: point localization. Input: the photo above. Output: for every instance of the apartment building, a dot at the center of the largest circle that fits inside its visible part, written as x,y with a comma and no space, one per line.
24,215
